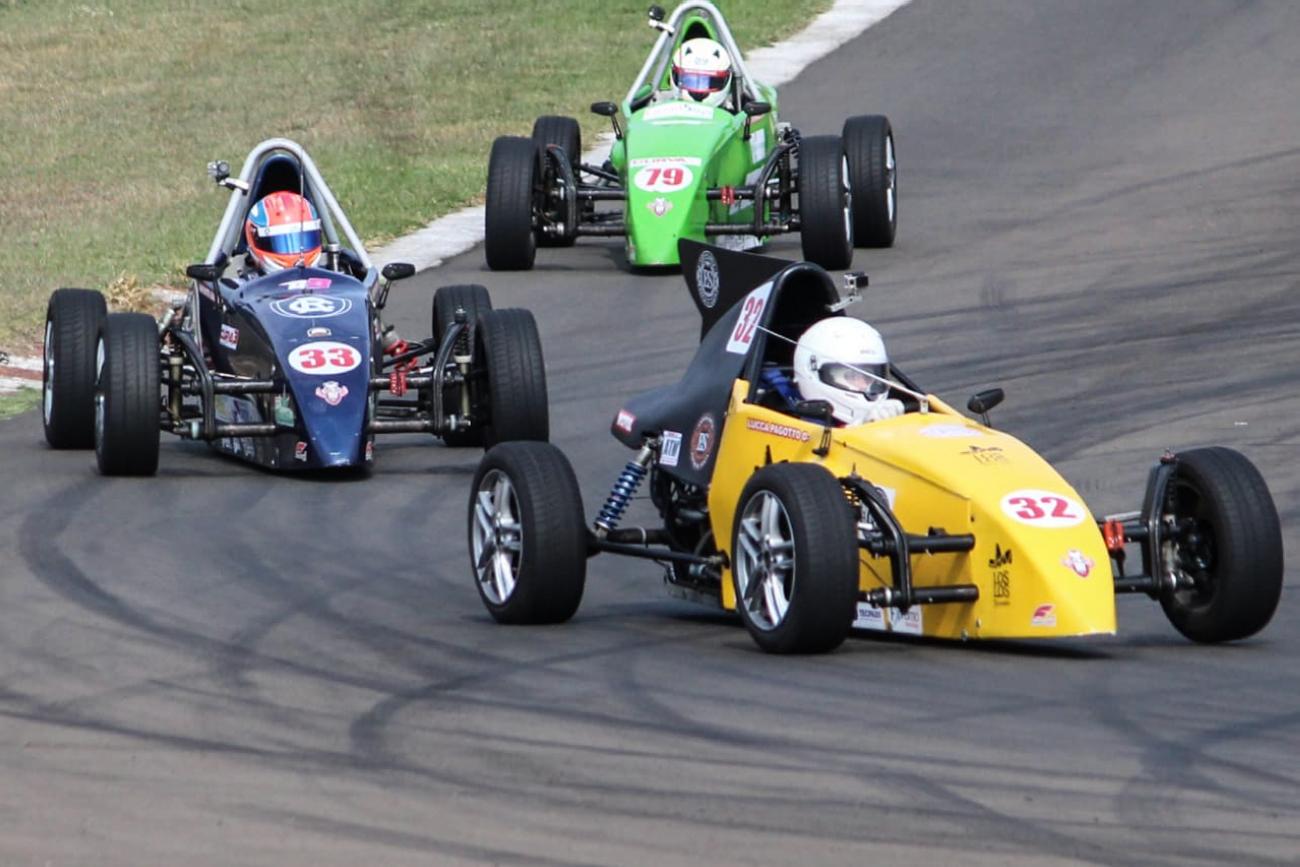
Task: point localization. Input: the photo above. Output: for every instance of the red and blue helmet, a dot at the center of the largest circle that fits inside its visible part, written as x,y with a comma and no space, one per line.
702,71
283,231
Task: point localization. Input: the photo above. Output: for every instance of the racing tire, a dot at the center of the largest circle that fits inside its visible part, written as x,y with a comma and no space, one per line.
565,132
514,376
1234,550
72,322
513,173
795,559
527,534
474,299
869,146
825,203
128,405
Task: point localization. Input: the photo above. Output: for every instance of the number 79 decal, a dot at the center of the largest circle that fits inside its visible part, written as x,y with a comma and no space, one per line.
1043,508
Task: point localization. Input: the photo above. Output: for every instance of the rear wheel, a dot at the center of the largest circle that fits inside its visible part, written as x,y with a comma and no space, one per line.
474,300
795,559
1223,533
527,534
513,176
825,202
565,132
72,323
128,403
512,374
869,146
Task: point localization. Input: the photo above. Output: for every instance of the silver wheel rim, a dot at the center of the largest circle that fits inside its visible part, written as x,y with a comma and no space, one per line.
765,561
498,537
99,391
848,199
890,178
49,372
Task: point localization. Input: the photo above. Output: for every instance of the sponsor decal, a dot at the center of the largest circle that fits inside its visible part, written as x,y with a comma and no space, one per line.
663,179
624,421
229,337
670,110
1039,508
311,306
324,358
309,283
757,146
300,451
906,624
706,279
670,448
869,617
949,431
778,430
319,331
332,393
702,438
751,312
370,452
642,162
1077,561
1044,615
987,456
660,206
1000,563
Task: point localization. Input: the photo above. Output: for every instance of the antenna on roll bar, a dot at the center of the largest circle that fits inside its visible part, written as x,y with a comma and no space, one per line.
656,21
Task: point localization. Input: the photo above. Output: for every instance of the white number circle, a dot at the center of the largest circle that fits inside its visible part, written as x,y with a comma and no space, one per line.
324,358
1043,508
663,179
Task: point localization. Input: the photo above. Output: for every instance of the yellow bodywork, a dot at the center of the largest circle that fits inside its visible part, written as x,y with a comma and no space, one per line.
1039,561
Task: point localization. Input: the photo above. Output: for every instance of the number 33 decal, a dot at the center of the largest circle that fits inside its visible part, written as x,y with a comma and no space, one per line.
1043,508
324,357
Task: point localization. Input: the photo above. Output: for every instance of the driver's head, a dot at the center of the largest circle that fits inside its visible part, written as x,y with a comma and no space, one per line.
702,71
837,360
282,231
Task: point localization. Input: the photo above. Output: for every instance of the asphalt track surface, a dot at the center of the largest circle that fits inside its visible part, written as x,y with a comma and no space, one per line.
1098,201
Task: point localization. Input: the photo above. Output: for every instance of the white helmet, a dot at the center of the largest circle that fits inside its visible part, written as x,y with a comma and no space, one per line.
829,363
702,71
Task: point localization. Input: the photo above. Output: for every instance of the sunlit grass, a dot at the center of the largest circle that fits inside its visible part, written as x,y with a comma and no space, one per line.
109,113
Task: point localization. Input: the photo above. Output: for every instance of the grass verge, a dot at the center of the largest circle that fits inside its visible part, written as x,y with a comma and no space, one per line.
19,402
109,112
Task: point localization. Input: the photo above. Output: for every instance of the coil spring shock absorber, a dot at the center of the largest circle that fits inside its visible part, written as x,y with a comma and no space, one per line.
628,481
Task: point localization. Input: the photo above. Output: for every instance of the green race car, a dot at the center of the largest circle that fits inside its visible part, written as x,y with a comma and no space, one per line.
698,154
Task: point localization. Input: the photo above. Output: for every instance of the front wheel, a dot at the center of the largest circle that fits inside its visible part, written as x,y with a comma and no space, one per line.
795,559
527,534
128,406
869,146
509,348
513,175
1223,533
73,321
825,202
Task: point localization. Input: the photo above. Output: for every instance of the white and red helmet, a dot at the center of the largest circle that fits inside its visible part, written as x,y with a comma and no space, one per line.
283,231
842,360
702,71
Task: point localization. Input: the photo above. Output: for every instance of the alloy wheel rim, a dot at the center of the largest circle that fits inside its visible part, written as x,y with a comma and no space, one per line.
847,195
765,567
48,387
890,176
497,537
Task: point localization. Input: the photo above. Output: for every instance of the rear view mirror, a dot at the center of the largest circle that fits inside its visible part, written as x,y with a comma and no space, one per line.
203,272
757,109
983,401
398,270
604,109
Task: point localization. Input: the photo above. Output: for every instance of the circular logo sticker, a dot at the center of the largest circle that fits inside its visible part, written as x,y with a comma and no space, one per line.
324,358
706,279
311,306
1039,508
702,440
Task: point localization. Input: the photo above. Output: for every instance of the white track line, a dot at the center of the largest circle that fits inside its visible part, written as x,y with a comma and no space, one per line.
459,231
776,64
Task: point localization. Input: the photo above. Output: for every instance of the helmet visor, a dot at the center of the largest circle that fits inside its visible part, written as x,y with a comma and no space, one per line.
701,82
855,378
288,238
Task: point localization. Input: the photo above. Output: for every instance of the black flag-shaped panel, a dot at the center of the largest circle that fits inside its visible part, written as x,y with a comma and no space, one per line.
719,278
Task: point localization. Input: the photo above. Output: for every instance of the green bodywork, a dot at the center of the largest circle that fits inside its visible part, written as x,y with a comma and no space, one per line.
709,148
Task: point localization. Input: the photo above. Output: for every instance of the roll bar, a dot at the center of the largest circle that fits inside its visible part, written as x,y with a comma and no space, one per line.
653,69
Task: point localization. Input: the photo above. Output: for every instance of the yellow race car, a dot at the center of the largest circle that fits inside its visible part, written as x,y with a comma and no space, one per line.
928,523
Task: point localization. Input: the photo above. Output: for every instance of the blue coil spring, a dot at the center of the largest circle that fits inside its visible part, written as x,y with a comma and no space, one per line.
628,481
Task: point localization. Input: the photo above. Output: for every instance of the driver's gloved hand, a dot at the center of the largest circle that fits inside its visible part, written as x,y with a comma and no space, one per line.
882,409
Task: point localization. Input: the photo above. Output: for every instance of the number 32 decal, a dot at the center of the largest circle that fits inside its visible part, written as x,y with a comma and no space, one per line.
324,358
1043,508
751,313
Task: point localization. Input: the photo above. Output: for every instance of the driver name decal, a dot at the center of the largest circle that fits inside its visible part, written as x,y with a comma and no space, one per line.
751,313
324,358
1046,509
778,430
948,431
670,110
311,306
